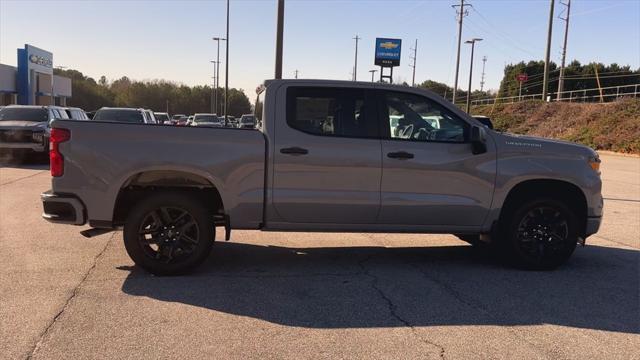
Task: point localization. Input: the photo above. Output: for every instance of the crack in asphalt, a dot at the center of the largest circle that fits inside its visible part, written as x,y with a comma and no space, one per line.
613,241
24,177
392,307
67,303
478,306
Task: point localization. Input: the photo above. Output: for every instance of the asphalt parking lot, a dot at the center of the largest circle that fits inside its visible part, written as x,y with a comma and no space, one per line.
304,295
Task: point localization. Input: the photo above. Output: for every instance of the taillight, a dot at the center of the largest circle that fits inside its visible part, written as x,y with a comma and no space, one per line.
56,160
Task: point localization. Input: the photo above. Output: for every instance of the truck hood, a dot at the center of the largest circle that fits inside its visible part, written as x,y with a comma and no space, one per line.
522,143
23,125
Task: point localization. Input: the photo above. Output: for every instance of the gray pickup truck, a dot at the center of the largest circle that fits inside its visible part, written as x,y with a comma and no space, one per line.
330,156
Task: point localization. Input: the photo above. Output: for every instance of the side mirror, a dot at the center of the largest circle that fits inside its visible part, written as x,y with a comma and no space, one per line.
485,121
478,140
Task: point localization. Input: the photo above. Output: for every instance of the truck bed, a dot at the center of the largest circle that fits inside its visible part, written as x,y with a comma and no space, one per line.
102,157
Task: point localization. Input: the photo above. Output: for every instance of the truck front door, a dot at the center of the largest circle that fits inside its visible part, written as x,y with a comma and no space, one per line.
430,175
327,158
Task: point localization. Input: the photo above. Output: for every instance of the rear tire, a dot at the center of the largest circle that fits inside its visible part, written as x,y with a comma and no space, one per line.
169,233
540,235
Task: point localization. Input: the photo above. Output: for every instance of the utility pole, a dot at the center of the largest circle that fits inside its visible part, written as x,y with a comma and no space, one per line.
213,88
545,80
296,73
461,14
279,35
217,84
484,63
355,65
373,72
414,58
226,71
564,49
473,44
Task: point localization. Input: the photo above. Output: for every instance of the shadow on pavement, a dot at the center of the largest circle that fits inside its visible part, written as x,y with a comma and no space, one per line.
24,160
364,287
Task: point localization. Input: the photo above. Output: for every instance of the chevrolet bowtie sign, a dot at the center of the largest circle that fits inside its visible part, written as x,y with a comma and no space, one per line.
388,52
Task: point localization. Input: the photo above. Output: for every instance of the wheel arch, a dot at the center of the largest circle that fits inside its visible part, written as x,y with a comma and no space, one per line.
144,183
562,190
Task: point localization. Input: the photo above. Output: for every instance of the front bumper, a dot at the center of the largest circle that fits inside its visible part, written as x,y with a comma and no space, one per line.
593,225
63,209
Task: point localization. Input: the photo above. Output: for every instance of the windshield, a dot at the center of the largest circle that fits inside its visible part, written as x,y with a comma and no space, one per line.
247,119
118,115
24,114
205,118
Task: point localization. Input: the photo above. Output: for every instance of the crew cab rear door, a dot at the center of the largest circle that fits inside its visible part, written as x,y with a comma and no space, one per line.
327,158
430,175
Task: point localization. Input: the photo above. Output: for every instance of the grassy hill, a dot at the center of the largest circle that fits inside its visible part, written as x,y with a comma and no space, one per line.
611,126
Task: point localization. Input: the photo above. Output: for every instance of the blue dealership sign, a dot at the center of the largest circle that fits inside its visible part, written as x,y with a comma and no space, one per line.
388,52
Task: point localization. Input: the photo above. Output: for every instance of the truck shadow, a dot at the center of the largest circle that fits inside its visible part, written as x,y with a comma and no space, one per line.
363,287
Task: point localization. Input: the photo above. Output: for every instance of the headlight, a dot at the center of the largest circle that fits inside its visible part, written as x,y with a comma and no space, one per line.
37,136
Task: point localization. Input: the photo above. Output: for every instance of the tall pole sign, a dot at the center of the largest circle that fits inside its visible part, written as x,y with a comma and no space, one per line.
387,56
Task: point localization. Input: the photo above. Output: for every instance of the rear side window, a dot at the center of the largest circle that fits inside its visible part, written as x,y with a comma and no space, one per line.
24,114
118,115
331,112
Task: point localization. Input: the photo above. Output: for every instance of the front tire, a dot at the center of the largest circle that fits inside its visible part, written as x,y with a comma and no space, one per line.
540,235
169,233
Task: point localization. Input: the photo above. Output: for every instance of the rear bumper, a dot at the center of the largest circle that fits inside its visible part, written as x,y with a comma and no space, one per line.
593,225
23,146
62,209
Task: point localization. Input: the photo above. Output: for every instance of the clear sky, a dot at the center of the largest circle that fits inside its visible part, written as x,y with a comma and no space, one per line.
172,39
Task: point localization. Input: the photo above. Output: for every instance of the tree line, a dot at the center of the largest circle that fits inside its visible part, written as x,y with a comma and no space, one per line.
157,95
577,78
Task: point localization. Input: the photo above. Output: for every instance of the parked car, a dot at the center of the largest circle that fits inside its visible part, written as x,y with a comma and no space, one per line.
162,118
127,115
182,120
206,120
326,160
231,121
75,113
247,121
91,114
26,128
151,118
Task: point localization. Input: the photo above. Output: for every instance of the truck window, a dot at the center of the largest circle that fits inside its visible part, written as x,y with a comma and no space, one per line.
331,112
417,118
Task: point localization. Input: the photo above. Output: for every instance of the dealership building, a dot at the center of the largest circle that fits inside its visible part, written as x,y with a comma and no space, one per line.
33,82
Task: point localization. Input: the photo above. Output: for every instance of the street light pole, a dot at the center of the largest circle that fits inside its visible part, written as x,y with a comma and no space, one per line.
226,71
279,35
473,43
373,72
